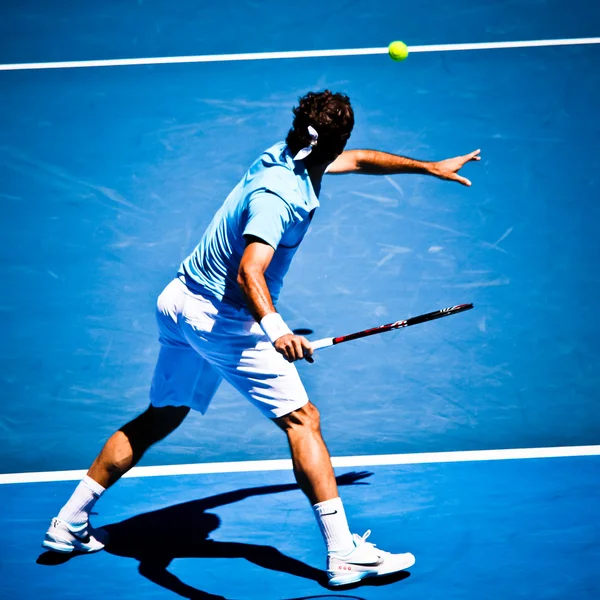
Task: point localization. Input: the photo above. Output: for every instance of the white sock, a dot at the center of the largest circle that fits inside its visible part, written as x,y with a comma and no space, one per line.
80,504
331,518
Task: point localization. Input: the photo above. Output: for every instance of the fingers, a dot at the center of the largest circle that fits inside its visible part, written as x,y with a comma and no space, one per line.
473,156
284,346
460,161
294,347
462,180
307,350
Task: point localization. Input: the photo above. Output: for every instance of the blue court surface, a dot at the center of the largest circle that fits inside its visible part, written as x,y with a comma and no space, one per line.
108,177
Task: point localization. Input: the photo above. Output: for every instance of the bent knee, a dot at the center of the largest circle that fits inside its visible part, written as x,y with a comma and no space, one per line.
306,417
154,424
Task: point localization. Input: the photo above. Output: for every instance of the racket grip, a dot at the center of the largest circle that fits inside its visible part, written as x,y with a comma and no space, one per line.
322,343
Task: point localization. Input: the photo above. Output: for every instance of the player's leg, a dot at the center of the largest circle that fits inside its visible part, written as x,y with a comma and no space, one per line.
182,379
237,348
310,457
274,386
315,476
126,447
70,530
350,557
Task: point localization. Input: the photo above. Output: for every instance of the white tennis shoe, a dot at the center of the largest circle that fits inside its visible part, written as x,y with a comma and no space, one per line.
64,537
365,561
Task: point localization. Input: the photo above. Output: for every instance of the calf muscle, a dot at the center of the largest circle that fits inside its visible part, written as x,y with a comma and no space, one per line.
126,447
310,457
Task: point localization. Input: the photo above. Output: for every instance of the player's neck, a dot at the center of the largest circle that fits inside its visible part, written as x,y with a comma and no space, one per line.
316,175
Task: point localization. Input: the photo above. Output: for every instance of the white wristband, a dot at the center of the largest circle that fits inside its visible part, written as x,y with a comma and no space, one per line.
274,326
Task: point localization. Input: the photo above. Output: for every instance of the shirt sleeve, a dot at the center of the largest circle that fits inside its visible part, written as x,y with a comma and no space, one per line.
268,217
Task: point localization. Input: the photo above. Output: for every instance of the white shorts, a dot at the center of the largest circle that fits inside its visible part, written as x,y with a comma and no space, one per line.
204,341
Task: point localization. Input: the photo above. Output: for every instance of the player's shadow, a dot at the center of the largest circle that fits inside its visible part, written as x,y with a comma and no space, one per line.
156,538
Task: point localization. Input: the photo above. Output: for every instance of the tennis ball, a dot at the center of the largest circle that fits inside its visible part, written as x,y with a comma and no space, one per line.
398,51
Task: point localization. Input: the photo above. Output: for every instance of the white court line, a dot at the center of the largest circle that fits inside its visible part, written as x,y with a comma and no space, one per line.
341,461
169,60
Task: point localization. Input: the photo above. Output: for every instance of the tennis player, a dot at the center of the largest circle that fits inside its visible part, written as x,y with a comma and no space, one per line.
217,320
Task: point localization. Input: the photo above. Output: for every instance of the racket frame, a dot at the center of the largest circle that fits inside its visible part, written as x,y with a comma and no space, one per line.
431,316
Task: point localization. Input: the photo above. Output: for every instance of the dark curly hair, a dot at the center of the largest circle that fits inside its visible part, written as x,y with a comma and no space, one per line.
333,118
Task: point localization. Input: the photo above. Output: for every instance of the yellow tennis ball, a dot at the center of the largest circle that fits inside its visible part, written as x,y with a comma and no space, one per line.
398,50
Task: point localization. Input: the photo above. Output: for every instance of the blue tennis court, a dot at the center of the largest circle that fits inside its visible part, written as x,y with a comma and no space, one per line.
109,176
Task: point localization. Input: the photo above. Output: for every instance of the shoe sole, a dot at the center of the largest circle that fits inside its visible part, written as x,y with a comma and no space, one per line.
357,577
67,548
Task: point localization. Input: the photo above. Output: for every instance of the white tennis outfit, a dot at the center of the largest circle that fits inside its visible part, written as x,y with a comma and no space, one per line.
205,330
204,341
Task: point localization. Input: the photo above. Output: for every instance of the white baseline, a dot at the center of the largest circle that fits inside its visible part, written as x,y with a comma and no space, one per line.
340,461
169,60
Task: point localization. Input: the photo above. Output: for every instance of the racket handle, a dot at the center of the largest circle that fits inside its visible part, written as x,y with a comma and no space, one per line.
322,343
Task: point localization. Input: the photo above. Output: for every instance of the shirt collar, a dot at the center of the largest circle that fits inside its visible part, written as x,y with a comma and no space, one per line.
300,171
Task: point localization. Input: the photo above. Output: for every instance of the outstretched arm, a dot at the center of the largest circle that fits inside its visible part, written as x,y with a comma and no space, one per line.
373,162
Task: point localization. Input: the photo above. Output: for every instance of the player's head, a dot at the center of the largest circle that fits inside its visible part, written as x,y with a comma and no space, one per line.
332,117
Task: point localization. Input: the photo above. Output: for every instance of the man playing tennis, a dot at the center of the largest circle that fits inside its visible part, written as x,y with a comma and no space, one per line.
217,320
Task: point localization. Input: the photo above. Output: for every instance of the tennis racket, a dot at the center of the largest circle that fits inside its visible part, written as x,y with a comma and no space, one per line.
437,314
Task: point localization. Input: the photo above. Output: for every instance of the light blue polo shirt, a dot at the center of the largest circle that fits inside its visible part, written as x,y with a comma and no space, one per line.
275,202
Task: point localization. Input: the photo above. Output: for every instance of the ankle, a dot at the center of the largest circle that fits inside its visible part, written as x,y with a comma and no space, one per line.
332,521
77,510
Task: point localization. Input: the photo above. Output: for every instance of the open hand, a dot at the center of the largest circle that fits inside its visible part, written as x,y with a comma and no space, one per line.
448,169
294,347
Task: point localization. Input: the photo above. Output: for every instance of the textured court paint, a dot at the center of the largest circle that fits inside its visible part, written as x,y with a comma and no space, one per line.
105,190
36,31
104,180
337,461
478,530
171,60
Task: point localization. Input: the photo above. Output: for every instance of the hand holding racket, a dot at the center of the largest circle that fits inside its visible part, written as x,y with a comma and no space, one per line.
438,314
